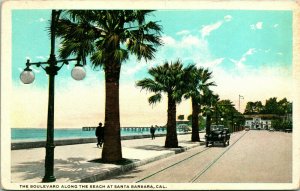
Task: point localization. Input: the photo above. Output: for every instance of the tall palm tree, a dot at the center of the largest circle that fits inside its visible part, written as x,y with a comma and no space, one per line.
199,83
108,37
168,78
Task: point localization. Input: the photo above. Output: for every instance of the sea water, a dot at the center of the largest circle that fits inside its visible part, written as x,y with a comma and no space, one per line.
26,134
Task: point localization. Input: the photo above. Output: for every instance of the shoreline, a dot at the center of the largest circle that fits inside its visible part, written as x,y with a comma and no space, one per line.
29,144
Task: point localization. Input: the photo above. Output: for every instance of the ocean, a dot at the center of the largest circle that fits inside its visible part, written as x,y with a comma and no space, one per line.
26,134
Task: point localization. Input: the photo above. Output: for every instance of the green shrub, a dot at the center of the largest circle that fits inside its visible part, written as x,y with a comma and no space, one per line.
281,125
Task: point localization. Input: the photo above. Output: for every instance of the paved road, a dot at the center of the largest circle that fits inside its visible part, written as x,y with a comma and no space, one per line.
252,157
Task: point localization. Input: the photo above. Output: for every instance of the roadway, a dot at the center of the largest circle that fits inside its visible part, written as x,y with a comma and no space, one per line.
252,157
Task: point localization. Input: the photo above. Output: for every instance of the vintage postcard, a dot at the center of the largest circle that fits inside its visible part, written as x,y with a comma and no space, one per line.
150,95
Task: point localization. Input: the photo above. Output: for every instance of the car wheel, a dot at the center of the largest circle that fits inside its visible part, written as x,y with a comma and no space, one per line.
224,143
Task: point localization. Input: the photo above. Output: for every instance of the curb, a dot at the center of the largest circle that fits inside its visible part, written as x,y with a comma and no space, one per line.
115,171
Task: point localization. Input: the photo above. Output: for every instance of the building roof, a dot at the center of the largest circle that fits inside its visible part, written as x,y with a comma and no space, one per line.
263,116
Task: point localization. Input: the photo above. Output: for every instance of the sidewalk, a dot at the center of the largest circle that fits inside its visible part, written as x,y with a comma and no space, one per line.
80,163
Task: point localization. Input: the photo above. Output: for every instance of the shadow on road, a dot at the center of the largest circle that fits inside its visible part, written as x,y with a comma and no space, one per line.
62,168
151,147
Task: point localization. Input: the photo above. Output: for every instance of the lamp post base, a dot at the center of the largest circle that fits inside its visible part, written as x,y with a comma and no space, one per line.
49,179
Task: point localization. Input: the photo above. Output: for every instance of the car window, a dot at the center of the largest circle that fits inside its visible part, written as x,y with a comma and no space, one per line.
221,127
217,128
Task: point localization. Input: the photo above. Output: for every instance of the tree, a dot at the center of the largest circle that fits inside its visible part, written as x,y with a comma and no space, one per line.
229,113
271,106
199,83
254,108
210,100
108,37
180,117
170,79
284,107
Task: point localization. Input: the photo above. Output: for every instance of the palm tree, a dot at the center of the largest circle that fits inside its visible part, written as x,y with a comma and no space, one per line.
168,78
199,83
108,37
228,112
210,101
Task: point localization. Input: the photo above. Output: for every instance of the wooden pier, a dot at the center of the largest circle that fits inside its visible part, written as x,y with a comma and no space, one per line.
89,128
142,129
128,129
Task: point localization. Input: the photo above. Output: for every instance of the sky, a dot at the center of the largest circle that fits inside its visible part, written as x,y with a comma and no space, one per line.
248,52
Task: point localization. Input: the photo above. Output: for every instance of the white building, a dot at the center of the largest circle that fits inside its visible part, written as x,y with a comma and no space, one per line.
259,121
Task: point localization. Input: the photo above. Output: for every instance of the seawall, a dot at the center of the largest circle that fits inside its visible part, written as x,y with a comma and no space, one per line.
17,145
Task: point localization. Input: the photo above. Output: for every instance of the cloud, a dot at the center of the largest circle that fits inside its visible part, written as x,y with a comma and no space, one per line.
257,26
190,40
42,19
167,40
207,29
275,25
250,52
279,53
41,58
212,63
183,32
189,48
30,102
240,63
257,84
130,70
228,18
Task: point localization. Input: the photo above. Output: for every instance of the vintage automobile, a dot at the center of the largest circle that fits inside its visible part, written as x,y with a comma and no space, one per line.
218,134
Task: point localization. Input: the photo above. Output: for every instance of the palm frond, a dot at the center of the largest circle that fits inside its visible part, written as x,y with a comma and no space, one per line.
100,34
121,55
169,77
98,58
150,85
155,98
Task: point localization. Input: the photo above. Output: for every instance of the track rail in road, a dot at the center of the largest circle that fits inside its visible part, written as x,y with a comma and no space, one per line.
189,157
214,161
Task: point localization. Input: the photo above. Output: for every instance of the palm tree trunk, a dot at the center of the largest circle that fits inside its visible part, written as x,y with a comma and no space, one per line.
112,150
195,121
208,123
171,139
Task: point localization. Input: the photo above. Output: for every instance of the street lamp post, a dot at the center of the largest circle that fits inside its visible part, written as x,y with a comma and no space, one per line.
240,97
27,77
